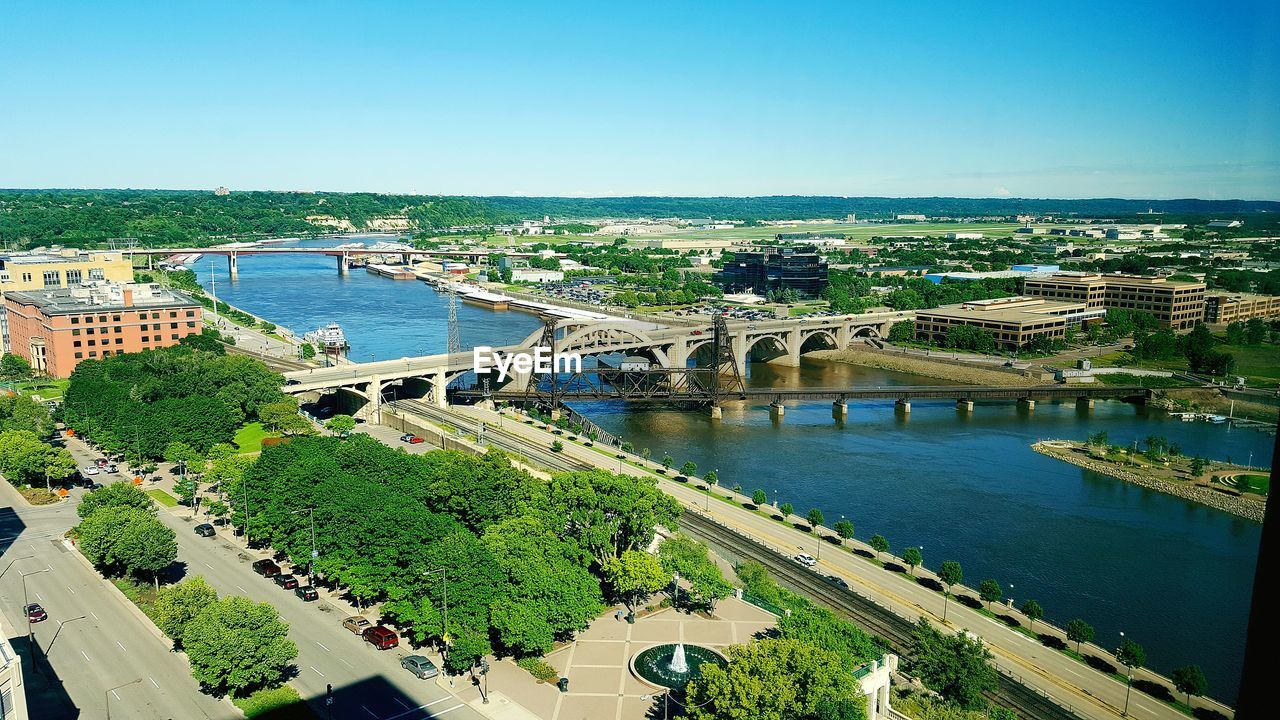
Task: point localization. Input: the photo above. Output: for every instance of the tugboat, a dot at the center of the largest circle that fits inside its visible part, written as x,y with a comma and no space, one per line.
329,340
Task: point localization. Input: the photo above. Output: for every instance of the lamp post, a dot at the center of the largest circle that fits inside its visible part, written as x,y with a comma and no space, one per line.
25,602
1128,682
11,562
58,632
444,578
106,696
311,566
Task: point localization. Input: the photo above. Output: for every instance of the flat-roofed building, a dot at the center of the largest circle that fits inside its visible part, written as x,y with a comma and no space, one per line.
13,694
1014,322
1224,308
45,269
683,244
1175,304
55,330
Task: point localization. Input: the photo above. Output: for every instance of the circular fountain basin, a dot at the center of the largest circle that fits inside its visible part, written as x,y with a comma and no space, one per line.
653,665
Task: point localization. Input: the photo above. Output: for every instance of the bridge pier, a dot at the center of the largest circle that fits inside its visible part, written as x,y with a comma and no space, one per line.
233,265
717,412
840,410
438,383
1026,404
777,410
1084,403
902,406
964,405
344,264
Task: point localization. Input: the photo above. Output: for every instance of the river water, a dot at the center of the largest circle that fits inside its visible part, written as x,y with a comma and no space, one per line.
1174,576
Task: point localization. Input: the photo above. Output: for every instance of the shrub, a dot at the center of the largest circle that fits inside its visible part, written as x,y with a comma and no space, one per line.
540,669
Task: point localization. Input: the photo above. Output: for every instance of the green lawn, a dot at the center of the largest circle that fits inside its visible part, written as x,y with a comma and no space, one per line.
1260,484
163,498
249,438
282,703
47,388
1262,361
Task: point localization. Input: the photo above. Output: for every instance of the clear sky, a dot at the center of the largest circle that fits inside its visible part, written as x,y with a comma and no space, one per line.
1031,99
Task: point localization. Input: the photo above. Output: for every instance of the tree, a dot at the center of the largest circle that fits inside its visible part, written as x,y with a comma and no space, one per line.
911,556
147,546
119,539
646,454
902,331
786,509
844,528
236,646
815,518
955,666
59,465
950,573
775,679
177,605
277,415
557,446
1190,680
1131,655
1033,611
23,457
1197,466
989,590
466,651
14,367
1079,631
341,424
759,498
879,544
115,495
633,575
666,462
690,558
689,469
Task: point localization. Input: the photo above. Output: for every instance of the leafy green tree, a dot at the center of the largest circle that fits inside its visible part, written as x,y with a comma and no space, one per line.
902,331
466,651
341,424
115,495
690,558
124,539
23,456
774,679
646,454
177,605
955,666
633,575
1079,631
844,528
308,351
557,446
147,546
815,518
1190,680
822,628
759,498
911,556
1033,611
278,415
21,412
1197,466
879,544
689,469
607,513
951,574
14,367
59,465
1131,655
786,509
711,478
989,590
666,462
237,646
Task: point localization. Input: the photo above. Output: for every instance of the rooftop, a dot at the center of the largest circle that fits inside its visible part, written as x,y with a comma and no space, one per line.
1020,309
94,297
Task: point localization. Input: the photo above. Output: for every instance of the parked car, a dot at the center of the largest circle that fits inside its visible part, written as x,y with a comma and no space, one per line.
100,462
805,559
287,581
91,470
112,468
306,592
266,568
357,624
205,530
35,613
412,439
419,666
381,637
837,581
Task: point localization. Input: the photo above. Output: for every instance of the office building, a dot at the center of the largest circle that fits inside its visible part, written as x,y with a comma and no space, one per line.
1014,322
788,268
1177,305
57,269
1225,308
55,330
13,695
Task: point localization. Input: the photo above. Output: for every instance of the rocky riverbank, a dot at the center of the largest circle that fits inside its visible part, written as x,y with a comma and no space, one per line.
967,374
1236,505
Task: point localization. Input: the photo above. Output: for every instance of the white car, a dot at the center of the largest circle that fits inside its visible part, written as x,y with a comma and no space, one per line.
91,470
805,559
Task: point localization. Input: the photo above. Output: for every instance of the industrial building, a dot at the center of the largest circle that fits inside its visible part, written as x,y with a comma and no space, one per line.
1014,322
800,269
54,330
1177,305
1225,308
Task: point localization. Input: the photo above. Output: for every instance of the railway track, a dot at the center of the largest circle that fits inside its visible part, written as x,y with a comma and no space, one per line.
536,454
895,630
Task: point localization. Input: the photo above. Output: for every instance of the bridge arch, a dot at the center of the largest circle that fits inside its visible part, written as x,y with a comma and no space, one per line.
870,331
819,340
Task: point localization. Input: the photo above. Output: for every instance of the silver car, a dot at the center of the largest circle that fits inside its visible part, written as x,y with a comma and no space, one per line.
419,666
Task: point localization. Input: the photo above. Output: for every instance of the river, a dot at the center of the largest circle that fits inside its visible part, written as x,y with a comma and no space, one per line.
1174,576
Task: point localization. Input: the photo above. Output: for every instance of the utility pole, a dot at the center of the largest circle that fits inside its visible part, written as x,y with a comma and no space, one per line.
454,339
213,291
444,578
311,566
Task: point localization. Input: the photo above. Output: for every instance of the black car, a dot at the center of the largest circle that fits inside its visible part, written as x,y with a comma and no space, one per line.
306,592
837,581
205,530
287,581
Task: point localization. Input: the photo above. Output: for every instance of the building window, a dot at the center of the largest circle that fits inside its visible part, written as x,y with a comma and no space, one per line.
75,321
73,277
155,316
146,338
93,353
173,314
51,279
191,324
173,326
191,313
75,343
115,318
119,341
79,356
97,274
88,331
102,318
156,326
75,331
174,336
92,343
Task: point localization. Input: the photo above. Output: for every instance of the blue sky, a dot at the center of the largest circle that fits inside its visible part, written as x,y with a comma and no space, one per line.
1070,99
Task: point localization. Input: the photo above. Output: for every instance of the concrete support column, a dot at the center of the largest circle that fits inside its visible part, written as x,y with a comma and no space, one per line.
438,382
777,410
964,405
233,265
375,399
1084,403
555,414
902,406
840,410
344,264
717,412
1027,404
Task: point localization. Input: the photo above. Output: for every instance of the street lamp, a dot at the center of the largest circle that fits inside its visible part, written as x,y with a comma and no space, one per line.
11,562
106,696
57,632
311,566
444,578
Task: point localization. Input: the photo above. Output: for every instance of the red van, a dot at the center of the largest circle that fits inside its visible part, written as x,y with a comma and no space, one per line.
381,637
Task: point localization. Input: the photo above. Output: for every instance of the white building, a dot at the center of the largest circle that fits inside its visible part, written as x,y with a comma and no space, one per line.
1225,223
536,275
910,217
964,236
13,695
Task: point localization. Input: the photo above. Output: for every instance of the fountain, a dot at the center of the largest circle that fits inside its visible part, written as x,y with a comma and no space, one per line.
673,665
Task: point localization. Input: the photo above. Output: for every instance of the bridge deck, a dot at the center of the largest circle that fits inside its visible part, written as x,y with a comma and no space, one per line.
885,392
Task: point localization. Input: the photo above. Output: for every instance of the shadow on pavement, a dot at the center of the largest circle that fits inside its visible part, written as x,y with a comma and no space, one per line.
47,699
372,698
11,526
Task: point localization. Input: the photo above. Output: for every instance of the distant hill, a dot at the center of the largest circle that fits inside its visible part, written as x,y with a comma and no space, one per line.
30,218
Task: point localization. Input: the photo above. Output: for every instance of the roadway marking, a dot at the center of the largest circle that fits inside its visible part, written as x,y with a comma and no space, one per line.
424,707
40,596
322,645
73,592
313,669
207,565
153,682
371,713
241,589
344,662
448,710
121,646
401,704
113,693
86,657
94,614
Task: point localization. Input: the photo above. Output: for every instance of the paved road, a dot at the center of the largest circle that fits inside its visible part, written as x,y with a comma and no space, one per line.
367,683
102,643
1072,684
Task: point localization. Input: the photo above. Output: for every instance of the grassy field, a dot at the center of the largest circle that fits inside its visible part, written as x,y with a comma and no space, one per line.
47,388
249,438
163,498
1262,361
1260,484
